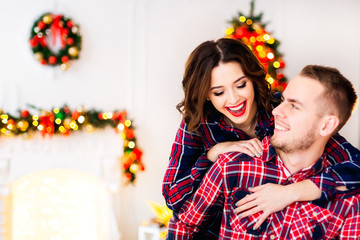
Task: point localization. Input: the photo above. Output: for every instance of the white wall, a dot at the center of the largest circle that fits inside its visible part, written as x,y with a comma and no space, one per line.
133,57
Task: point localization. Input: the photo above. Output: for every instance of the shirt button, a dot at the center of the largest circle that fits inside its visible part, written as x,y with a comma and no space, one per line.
272,237
289,179
315,214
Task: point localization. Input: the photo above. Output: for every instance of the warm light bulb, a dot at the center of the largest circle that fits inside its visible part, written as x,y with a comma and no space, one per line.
242,19
229,31
276,64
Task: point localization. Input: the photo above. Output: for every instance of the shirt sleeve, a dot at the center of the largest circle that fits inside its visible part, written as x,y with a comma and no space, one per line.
197,212
344,169
351,227
187,166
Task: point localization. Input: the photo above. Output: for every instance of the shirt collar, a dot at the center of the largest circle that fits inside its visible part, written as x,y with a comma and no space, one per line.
264,126
269,154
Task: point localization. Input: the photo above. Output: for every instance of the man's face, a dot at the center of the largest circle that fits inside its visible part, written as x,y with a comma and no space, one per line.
297,121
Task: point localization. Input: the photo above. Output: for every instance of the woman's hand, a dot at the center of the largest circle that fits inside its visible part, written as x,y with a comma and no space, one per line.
252,147
268,198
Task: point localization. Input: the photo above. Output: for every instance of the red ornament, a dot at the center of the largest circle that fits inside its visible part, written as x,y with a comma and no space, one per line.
33,42
41,25
24,113
70,24
43,62
75,115
64,59
70,41
128,176
52,60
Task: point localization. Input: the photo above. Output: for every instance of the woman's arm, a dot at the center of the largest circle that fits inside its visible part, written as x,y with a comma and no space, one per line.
187,166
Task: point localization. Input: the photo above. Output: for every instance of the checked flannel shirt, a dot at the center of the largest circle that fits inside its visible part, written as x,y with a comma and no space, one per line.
227,182
188,162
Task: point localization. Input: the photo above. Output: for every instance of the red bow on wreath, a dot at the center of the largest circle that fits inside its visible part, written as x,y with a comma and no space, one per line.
57,29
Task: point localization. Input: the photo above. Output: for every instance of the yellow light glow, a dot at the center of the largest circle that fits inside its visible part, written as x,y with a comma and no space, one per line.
35,123
242,19
40,127
35,118
271,41
73,124
229,31
270,80
276,64
270,55
4,116
59,204
258,30
3,130
121,126
131,144
10,126
262,54
56,110
62,129
266,37
123,136
259,38
81,119
259,48
249,22
105,116
4,121
253,39
127,123
109,115
134,168
58,121
89,128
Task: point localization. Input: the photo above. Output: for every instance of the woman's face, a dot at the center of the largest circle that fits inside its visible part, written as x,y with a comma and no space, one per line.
232,94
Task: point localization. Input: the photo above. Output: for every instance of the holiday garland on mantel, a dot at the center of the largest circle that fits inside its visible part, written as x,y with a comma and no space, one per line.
251,31
63,121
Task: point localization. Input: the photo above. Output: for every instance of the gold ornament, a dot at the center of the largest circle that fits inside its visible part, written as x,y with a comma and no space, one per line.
73,51
39,56
64,66
47,19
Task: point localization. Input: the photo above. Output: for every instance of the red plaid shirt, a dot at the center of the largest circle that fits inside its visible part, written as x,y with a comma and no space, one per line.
227,182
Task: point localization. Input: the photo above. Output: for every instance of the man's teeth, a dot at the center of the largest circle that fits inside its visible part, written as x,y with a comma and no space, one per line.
237,108
280,128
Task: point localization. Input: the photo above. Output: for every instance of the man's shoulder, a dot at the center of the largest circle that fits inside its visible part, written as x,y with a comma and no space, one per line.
233,158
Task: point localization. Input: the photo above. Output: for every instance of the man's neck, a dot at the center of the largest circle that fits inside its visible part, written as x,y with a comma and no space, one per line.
301,159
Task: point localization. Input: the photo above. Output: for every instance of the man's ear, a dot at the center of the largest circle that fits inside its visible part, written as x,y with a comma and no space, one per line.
329,124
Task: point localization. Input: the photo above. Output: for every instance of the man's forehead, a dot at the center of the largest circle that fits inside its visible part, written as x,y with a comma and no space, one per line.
303,88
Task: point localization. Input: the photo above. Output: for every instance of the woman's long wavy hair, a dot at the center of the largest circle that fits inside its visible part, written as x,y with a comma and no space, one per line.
197,78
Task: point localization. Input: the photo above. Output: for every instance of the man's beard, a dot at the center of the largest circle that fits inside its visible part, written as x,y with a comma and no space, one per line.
297,144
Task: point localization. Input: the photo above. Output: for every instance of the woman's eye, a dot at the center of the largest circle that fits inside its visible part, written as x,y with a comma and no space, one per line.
242,85
218,93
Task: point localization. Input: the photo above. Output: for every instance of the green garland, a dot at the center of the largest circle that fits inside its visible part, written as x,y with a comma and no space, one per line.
64,121
60,28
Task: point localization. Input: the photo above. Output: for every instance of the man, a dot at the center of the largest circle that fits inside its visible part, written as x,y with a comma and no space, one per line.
316,104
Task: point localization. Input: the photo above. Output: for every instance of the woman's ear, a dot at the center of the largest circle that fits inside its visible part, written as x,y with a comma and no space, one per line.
329,125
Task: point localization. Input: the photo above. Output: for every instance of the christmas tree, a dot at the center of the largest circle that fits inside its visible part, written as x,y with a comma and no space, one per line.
251,31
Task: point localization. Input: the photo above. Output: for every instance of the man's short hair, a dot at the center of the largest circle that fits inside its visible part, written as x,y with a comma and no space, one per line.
339,97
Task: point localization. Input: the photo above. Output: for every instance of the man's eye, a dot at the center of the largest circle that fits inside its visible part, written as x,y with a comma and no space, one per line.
294,106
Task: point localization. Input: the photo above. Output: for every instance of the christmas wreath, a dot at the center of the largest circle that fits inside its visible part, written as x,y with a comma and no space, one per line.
56,27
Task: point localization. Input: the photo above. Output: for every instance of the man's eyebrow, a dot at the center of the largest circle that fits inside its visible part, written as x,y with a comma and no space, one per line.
237,80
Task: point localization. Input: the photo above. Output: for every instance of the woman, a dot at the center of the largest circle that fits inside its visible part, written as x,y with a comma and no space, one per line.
227,107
